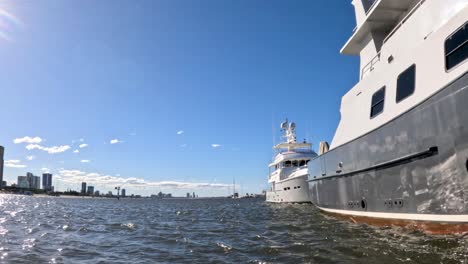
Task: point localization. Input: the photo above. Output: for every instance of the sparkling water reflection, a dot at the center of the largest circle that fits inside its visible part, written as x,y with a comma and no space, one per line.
77,230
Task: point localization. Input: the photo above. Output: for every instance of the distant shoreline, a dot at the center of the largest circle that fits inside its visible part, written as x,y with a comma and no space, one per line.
115,197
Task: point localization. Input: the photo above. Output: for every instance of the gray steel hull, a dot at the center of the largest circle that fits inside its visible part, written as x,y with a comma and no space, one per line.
412,168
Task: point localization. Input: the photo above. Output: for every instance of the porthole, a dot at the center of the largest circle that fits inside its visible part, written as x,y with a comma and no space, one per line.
390,59
400,203
389,203
363,204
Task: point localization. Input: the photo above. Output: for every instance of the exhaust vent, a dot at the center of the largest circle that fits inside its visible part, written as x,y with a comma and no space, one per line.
323,147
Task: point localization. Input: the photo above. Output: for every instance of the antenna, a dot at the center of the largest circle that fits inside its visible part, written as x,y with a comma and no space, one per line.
273,128
234,186
284,125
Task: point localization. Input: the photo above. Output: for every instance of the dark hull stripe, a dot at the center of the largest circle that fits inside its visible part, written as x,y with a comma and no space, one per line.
385,165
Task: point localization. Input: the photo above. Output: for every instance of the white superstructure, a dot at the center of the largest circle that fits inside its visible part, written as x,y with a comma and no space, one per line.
400,151
288,171
390,37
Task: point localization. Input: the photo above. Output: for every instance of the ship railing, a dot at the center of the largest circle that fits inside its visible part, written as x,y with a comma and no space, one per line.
370,65
287,171
410,13
298,150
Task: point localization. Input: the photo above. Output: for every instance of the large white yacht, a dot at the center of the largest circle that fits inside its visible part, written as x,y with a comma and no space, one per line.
400,151
288,171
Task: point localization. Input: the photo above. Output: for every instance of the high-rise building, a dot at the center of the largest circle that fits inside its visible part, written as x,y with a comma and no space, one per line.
36,182
90,190
193,195
2,150
83,187
23,182
123,193
29,181
47,181
188,195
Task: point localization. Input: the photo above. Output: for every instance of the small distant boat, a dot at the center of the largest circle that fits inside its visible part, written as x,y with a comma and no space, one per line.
288,171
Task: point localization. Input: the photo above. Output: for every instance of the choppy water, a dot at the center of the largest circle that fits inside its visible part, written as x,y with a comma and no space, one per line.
66,230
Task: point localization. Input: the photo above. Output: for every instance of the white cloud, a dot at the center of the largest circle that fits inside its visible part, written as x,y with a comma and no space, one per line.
14,164
30,157
29,140
45,170
180,132
81,139
116,141
50,150
183,145
216,145
76,177
132,134
84,145
76,151
84,161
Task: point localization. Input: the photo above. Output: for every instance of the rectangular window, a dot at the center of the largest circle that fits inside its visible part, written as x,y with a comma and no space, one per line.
456,47
367,4
378,100
406,83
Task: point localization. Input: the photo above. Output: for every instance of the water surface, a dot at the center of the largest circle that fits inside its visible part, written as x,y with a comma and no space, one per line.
78,230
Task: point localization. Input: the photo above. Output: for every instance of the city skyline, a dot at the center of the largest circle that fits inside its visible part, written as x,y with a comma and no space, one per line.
188,98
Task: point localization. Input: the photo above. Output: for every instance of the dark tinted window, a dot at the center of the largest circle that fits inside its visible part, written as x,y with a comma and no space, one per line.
456,48
378,100
367,4
406,83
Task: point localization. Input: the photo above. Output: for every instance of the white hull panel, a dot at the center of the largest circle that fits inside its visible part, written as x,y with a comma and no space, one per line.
294,190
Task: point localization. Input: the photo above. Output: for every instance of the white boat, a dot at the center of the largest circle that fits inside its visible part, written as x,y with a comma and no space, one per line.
288,171
400,151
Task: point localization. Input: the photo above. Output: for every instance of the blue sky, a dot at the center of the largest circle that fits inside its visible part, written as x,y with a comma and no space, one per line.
223,72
